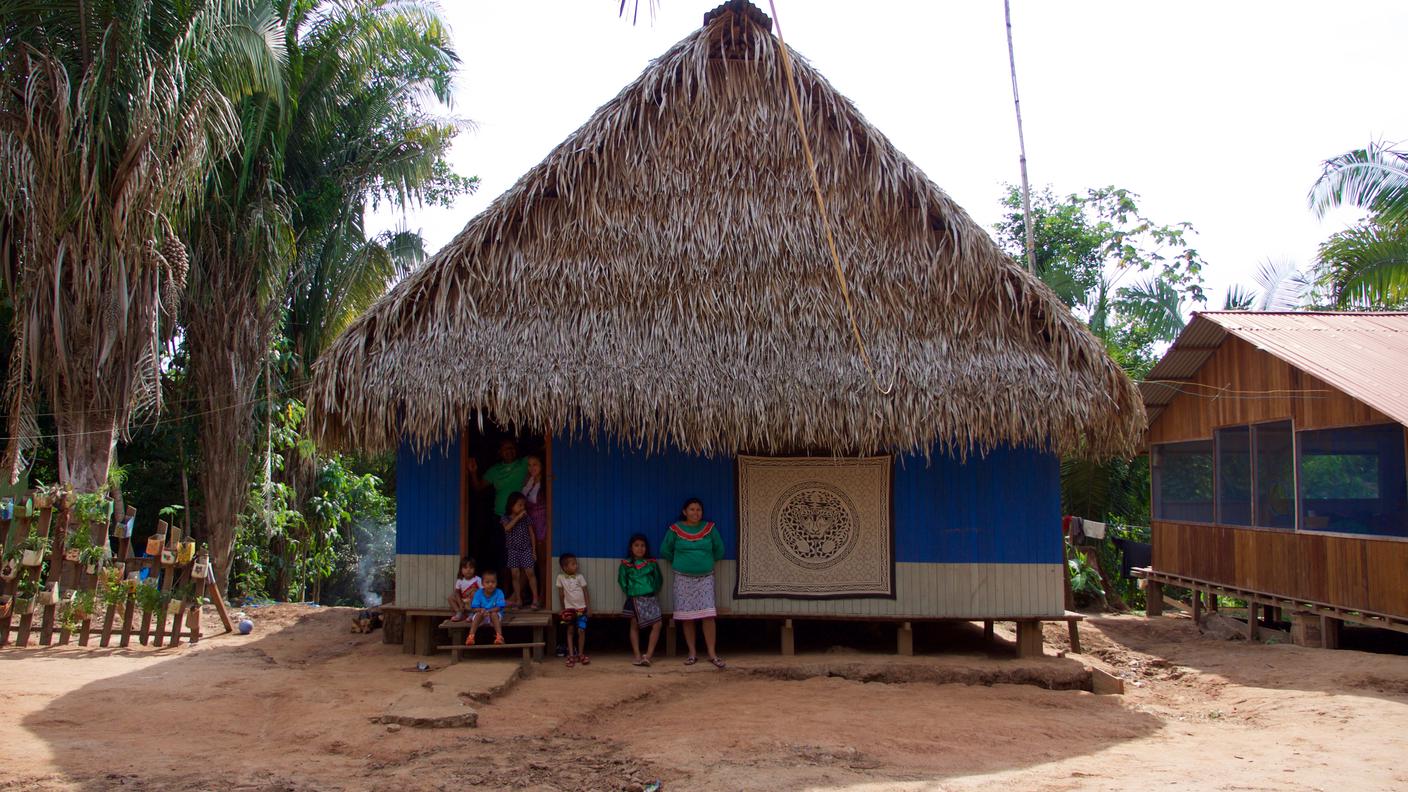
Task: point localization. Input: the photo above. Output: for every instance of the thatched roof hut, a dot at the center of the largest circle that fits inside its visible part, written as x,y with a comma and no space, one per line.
662,276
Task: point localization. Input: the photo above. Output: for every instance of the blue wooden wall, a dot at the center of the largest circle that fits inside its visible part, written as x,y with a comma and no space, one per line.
428,500
1004,508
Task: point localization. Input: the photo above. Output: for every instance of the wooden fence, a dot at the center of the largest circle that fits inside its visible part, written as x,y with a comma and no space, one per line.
31,606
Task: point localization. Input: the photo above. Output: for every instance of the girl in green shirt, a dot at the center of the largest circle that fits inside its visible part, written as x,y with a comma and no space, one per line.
640,580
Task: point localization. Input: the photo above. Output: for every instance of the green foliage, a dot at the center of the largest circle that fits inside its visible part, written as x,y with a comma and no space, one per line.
1085,580
90,507
113,590
36,541
1366,266
1086,244
150,598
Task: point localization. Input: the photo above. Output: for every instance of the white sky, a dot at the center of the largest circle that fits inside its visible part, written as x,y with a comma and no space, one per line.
1217,112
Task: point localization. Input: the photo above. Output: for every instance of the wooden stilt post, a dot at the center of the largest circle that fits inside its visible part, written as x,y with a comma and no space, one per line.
789,648
906,639
1153,599
1253,627
987,629
1029,638
1330,632
1074,627
1197,607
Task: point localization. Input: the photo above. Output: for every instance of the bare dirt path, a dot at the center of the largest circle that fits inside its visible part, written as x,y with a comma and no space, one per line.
289,709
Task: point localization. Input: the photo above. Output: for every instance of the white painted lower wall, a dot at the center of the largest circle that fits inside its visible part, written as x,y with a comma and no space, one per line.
972,591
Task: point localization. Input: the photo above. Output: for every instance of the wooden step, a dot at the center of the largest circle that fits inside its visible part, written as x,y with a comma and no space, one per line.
456,650
492,645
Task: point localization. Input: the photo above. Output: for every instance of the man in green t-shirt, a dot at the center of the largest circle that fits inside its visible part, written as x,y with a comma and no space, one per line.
506,477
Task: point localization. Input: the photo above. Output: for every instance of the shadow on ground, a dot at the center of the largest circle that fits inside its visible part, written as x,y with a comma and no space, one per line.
289,708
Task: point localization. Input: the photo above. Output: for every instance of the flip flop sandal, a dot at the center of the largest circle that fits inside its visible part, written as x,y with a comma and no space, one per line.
571,661
584,660
645,661
718,662
641,662
691,660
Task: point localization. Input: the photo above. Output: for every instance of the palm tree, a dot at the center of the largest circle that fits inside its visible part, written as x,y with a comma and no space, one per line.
110,115
1367,265
282,238
1283,287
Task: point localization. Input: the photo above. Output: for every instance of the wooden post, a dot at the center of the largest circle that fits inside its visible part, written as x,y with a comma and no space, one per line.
107,626
425,632
906,640
1029,638
1330,632
1197,607
126,624
1074,625
1153,599
1212,602
217,598
789,646
56,527
670,637
194,618
1253,628
987,629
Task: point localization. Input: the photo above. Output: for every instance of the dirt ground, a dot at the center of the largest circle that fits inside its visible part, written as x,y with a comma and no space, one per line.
290,708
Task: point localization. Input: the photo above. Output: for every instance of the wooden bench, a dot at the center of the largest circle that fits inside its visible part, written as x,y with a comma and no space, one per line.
421,623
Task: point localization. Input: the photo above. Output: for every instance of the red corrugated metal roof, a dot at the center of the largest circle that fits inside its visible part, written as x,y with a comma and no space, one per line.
1363,354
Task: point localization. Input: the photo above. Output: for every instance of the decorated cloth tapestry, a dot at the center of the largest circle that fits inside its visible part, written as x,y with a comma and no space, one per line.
815,528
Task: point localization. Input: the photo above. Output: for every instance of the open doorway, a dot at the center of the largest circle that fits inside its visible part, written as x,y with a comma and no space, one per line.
496,467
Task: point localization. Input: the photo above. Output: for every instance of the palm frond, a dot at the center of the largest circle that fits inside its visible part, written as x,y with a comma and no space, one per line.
1239,298
1283,286
1374,178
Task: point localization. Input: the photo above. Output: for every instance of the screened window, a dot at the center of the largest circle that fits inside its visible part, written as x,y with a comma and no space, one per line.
1353,480
1275,472
1183,483
1234,476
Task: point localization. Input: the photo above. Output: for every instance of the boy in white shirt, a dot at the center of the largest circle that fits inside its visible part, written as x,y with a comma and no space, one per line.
576,601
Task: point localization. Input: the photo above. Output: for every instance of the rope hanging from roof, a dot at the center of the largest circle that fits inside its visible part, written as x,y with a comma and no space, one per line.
821,206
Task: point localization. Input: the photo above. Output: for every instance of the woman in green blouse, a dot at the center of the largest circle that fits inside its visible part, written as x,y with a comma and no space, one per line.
693,547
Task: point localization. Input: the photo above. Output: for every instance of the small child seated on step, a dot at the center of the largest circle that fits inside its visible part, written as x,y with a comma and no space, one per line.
487,606
465,586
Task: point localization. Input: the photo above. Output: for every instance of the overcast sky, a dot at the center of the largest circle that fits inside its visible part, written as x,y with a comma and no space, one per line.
1216,112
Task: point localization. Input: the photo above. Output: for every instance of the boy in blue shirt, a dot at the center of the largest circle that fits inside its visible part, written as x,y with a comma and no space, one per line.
487,605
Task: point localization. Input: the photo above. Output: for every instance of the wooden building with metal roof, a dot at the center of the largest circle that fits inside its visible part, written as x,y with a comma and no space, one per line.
1278,465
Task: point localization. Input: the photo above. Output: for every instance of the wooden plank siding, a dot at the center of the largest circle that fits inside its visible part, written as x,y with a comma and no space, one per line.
1365,574
1240,384
1259,387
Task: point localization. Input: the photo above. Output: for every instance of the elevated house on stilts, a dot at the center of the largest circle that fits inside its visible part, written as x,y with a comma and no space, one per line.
654,308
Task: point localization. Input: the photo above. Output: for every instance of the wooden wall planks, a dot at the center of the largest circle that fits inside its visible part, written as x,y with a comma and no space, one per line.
1347,572
1239,366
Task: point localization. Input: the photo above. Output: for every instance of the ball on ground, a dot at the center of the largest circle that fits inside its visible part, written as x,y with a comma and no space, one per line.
246,626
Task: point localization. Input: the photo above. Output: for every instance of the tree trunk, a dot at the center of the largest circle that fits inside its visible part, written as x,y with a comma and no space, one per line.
225,353
85,450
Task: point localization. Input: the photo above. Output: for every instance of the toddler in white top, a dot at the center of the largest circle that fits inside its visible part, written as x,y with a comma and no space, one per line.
576,601
465,585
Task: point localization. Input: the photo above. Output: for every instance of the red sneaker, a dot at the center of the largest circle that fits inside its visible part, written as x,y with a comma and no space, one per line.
470,640
499,639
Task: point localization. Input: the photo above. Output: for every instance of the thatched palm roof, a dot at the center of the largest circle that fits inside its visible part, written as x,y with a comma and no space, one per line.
662,276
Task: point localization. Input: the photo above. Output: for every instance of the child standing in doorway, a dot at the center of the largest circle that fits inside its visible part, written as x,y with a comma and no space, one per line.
640,580
487,606
576,601
518,547
465,585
